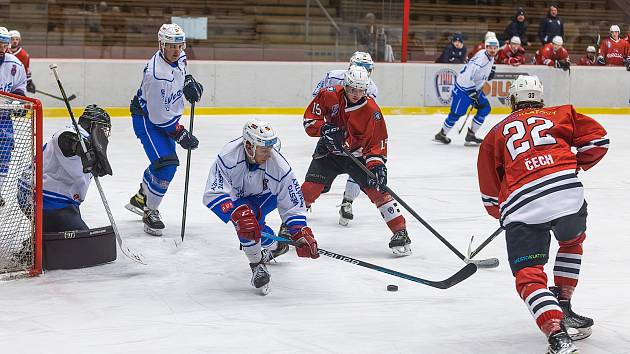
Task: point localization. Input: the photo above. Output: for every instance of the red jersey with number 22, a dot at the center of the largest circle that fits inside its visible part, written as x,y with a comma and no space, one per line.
527,171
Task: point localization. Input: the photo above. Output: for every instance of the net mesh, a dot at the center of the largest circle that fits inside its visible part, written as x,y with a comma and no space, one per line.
17,187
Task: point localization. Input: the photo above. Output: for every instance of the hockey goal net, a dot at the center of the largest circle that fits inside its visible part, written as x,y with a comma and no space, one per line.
21,197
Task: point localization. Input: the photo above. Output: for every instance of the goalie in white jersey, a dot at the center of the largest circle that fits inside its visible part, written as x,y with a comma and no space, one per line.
250,179
12,80
335,78
155,111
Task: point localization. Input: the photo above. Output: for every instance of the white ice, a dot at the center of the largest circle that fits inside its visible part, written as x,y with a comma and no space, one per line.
196,298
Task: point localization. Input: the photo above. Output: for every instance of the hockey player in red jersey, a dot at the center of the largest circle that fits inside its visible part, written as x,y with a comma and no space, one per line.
343,116
512,53
17,50
553,54
528,180
614,51
590,59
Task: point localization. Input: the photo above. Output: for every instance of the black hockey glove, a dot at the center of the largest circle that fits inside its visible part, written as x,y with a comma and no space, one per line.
474,97
380,177
30,86
627,62
601,60
184,138
333,137
99,141
135,108
492,73
563,64
192,89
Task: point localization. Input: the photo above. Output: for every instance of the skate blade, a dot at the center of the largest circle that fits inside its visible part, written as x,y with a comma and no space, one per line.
265,289
401,251
152,232
579,333
343,221
471,143
134,209
441,142
572,350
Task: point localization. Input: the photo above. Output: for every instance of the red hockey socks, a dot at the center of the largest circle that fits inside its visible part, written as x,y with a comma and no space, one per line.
531,284
390,211
566,270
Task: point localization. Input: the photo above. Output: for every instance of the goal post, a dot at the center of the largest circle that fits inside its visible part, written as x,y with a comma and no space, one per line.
21,141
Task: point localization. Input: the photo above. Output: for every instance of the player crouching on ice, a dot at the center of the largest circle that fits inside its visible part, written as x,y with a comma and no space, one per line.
344,117
155,111
528,180
468,92
248,180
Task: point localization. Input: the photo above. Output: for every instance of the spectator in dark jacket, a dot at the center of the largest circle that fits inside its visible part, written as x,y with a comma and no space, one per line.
550,26
455,52
518,27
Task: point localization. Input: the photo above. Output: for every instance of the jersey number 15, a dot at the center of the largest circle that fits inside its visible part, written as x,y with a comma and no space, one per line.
515,131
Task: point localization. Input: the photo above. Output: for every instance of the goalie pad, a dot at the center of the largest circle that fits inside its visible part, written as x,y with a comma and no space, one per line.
79,249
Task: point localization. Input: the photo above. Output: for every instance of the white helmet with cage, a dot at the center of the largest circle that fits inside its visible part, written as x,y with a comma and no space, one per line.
525,88
362,59
171,33
492,41
357,77
258,133
4,35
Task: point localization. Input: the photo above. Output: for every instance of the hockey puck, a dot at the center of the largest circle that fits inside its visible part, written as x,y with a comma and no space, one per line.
392,288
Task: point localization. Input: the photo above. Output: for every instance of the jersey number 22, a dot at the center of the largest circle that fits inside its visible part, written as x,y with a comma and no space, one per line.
515,132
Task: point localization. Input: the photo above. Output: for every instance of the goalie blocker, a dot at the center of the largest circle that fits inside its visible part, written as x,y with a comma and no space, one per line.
79,248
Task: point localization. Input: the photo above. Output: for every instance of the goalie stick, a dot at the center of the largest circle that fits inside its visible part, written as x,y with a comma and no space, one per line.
481,263
125,250
461,275
70,98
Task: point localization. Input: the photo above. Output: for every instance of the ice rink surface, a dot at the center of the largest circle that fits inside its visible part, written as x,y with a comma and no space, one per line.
196,298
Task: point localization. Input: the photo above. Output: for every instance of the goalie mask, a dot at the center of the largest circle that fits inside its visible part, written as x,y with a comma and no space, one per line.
259,133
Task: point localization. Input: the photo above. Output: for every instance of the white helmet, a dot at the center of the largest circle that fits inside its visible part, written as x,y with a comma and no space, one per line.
357,77
362,59
258,133
171,33
590,49
492,41
4,35
14,34
525,88
557,40
614,28
490,34
515,40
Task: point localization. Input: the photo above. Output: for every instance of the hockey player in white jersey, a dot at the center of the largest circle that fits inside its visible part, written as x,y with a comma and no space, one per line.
468,92
12,80
68,170
248,180
334,78
155,111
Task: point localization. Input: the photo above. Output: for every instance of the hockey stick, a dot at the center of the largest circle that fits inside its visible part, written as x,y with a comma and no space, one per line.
192,120
484,243
465,120
461,275
125,250
70,98
483,263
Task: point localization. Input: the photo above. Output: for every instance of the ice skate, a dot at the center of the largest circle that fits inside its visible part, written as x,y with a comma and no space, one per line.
578,327
153,225
260,277
284,231
400,243
137,203
442,138
268,256
471,139
561,343
345,212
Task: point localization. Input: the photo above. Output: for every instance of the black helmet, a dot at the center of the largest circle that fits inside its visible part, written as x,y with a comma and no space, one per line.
94,114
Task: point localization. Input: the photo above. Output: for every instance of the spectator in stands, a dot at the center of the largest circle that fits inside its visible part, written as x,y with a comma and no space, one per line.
591,57
482,45
553,54
614,51
512,53
367,35
550,26
455,52
518,27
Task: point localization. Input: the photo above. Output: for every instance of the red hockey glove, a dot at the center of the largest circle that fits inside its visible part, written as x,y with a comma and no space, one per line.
246,223
306,244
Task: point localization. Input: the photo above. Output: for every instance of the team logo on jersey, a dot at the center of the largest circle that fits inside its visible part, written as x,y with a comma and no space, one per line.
444,84
13,70
378,116
227,206
334,110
